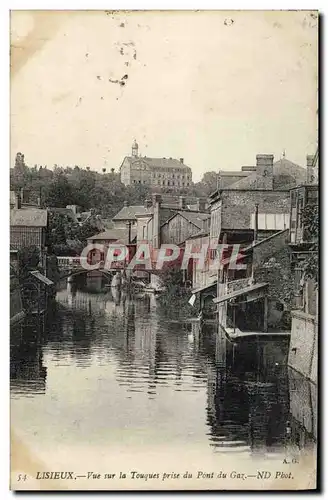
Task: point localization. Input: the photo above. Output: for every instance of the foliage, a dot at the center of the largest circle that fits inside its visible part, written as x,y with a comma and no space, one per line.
310,220
66,237
28,260
174,301
87,189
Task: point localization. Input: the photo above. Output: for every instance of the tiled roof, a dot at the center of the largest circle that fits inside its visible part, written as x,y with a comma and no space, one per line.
33,217
158,162
112,234
196,218
129,213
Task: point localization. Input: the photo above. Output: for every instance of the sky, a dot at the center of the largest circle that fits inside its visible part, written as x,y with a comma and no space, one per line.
213,87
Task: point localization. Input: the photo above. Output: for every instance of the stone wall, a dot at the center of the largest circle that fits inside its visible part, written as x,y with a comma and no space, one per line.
303,349
238,205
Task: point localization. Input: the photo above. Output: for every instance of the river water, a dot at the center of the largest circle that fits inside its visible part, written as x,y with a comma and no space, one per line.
109,371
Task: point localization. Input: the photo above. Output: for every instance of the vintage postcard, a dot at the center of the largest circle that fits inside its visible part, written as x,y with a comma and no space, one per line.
164,250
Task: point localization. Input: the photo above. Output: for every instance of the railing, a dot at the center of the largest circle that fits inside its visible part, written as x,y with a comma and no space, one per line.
234,285
71,261
78,263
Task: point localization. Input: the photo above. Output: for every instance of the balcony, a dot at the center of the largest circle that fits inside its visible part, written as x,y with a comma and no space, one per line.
301,197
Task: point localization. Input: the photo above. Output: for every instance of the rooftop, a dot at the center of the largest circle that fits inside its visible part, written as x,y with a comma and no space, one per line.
196,218
32,217
129,213
158,162
121,234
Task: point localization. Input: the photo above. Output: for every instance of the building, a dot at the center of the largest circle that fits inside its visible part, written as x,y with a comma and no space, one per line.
28,227
235,207
128,215
155,172
121,236
109,236
252,211
285,173
303,353
182,225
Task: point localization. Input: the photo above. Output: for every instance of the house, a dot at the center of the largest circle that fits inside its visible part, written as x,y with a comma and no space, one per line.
250,210
257,297
28,227
303,244
156,172
285,173
157,224
234,208
113,235
120,236
182,225
128,215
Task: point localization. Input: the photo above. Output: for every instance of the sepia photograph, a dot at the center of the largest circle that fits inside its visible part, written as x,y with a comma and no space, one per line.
164,254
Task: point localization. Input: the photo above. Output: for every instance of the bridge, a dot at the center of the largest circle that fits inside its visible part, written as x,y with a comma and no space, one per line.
73,266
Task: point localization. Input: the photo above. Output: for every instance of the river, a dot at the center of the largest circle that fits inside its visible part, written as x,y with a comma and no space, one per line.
109,372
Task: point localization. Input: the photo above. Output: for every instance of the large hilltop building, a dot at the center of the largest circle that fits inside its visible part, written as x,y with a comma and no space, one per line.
156,172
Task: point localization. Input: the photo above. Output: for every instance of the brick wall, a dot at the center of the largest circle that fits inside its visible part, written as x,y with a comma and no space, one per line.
237,206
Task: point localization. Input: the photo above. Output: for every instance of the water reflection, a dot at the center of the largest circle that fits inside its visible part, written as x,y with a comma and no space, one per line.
237,398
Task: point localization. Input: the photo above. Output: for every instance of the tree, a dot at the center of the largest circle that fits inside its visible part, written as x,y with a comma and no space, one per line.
60,192
57,229
28,260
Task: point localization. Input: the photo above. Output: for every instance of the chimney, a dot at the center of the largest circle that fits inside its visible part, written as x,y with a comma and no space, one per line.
18,203
264,168
156,199
181,160
126,203
201,204
310,169
182,202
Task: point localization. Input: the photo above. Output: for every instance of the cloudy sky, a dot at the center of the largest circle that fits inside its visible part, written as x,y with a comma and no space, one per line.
215,88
